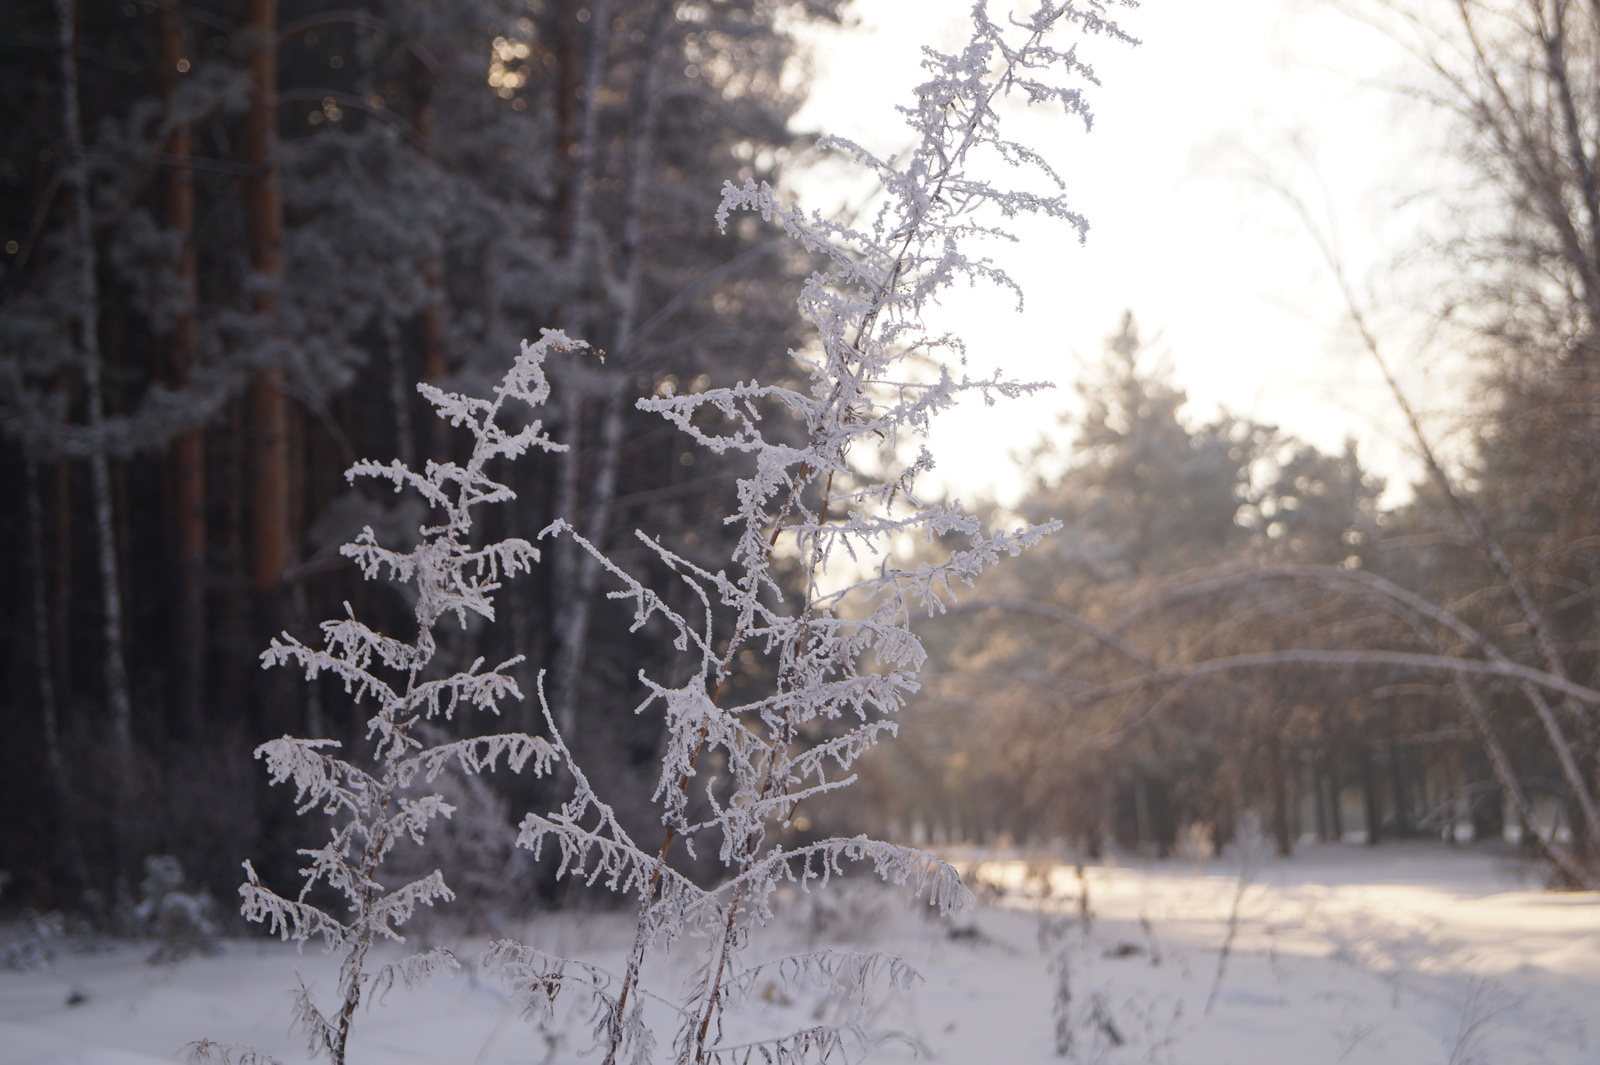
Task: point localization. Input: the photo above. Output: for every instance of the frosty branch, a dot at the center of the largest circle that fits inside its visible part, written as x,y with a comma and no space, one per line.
374,811
843,659
840,661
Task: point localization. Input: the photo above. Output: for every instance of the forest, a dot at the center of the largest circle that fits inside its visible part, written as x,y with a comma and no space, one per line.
237,234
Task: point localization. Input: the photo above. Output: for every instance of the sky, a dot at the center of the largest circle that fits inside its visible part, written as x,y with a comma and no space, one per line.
1195,130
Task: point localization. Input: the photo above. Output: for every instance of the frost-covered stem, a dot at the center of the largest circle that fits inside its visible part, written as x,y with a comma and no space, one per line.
748,850
641,944
968,137
649,896
713,990
826,436
86,306
352,976
713,987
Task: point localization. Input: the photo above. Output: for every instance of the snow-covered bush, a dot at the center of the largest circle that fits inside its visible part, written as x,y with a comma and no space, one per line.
372,811
28,943
839,654
181,922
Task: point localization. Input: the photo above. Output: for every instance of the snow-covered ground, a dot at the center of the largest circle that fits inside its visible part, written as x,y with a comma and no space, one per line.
1408,954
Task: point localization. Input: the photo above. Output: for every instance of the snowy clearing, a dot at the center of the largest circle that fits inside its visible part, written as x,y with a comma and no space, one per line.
1406,953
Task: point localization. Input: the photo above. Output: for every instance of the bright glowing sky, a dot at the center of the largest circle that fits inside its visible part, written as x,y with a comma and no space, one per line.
1183,230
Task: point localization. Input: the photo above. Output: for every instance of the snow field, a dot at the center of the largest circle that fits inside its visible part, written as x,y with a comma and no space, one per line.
1405,954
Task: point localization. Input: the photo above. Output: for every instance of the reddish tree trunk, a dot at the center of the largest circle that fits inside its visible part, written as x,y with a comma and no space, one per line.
435,362
271,428
269,406
186,461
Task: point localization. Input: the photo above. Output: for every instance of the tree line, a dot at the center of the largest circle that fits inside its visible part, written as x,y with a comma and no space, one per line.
236,234
1232,619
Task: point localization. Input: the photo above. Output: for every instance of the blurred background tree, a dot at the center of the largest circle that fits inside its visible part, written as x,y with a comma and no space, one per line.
1233,618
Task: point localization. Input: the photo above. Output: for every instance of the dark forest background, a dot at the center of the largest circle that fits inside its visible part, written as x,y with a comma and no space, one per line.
236,234
235,237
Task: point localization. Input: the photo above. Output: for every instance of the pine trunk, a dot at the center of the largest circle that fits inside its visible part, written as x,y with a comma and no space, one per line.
435,360
186,461
571,611
49,705
269,441
574,633
269,406
75,182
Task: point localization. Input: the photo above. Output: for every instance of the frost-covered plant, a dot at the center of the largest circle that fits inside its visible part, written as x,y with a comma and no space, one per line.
845,658
841,656
373,810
